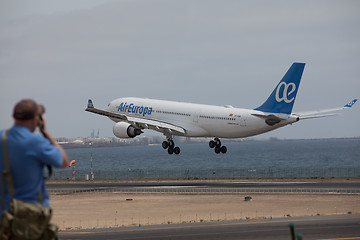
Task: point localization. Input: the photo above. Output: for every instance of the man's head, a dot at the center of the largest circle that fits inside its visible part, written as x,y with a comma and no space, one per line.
26,113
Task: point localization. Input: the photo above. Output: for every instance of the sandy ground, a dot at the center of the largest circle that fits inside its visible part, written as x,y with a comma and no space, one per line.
99,210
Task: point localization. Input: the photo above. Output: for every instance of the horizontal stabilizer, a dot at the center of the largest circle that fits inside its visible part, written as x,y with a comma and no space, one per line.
321,113
317,116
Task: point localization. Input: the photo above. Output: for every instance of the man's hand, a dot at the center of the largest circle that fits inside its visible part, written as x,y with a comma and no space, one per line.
42,126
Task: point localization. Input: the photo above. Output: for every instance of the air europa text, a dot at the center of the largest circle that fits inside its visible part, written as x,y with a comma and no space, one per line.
132,108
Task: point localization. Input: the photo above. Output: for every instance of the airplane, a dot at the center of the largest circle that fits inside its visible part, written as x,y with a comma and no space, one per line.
132,115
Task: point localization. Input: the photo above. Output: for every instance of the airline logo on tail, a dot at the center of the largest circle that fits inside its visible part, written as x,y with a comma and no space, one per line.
286,92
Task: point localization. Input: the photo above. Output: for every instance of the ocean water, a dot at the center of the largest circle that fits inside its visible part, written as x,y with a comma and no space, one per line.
283,158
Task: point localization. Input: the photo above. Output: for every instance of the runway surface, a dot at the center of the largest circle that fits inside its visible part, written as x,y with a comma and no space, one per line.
337,227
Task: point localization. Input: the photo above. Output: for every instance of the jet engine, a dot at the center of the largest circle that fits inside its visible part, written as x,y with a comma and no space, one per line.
125,130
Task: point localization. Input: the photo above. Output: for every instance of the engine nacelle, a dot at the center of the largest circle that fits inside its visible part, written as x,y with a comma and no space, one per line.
125,130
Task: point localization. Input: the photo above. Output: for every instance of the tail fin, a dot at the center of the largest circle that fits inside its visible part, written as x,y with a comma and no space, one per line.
282,98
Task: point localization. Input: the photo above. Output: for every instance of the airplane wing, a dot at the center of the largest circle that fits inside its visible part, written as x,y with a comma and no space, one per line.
320,113
155,125
91,108
139,122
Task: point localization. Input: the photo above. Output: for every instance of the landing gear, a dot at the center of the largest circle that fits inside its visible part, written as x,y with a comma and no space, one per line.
170,146
216,143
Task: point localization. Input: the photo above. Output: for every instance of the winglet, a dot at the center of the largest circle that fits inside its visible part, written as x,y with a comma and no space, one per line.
90,104
350,104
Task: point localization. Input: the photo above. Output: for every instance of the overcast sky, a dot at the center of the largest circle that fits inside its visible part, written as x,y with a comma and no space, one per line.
61,53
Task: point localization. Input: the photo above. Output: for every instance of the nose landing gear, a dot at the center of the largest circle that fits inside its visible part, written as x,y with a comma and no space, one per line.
216,143
170,146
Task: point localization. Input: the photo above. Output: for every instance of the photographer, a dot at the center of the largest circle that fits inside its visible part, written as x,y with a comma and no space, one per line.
27,154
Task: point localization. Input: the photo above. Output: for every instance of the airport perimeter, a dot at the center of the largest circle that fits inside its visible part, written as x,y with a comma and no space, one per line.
239,173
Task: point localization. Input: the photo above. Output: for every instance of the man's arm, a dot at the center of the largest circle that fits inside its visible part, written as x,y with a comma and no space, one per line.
46,134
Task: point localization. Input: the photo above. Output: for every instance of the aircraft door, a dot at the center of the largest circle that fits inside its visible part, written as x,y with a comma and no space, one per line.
197,116
242,120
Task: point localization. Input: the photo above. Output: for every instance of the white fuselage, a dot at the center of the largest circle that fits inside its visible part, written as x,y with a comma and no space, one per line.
199,120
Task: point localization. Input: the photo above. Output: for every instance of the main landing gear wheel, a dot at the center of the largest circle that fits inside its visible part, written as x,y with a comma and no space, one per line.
216,143
170,146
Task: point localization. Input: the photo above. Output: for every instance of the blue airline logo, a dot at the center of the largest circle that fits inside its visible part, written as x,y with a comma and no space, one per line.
132,108
286,92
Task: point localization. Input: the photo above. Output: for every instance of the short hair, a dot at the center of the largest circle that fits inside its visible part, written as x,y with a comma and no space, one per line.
25,109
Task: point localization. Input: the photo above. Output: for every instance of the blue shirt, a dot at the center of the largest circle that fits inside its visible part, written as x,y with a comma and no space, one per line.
28,154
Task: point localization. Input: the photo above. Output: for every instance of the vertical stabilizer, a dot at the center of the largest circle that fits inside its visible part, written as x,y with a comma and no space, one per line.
283,97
